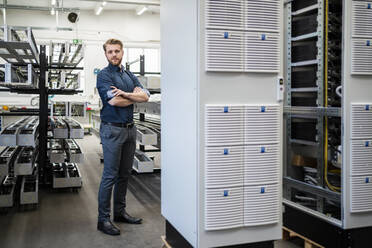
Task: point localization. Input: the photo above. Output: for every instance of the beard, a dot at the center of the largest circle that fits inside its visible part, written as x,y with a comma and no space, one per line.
115,62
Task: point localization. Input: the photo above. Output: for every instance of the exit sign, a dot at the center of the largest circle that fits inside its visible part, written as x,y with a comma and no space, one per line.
77,41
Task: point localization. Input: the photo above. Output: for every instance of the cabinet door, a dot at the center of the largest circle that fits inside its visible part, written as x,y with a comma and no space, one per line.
224,50
362,19
261,52
224,125
224,166
261,124
261,164
261,205
361,121
361,197
223,208
361,157
361,62
262,15
226,14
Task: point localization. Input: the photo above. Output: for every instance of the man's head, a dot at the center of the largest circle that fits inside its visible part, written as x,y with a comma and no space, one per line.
113,51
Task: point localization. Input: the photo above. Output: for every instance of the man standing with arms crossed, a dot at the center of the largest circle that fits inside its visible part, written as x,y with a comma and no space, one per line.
118,90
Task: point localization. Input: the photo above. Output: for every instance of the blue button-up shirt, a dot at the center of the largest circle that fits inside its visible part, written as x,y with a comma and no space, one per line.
124,80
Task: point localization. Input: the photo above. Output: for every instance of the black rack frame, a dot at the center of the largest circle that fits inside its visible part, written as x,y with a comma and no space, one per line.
43,91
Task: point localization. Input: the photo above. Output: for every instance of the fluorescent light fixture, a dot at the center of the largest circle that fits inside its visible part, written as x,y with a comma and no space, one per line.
54,2
98,10
52,11
104,3
141,10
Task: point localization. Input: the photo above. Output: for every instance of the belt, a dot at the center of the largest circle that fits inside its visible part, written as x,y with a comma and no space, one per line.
125,125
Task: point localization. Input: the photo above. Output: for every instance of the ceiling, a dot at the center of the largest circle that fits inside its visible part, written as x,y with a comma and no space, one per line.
153,5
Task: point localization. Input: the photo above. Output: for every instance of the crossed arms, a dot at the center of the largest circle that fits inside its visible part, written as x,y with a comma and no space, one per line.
124,99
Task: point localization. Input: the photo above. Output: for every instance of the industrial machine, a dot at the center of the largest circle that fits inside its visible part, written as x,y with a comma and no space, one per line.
327,172
221,122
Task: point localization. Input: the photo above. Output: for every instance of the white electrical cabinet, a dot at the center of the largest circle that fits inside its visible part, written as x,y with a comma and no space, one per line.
221,121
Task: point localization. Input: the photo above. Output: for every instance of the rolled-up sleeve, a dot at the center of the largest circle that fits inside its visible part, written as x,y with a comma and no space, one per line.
104,84
137,83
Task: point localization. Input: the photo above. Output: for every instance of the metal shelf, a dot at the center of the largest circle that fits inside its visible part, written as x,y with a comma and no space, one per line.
63,91
305,37
308,89
19,46
317,190
303,142
305,63
313,111
305,10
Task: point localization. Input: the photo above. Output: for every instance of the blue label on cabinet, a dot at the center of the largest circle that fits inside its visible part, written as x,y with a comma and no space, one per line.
262,190
367,143
262,149
263,109
225,193
366,107
226,109
226,35
263,37
367,180
369,6
368,42
225,151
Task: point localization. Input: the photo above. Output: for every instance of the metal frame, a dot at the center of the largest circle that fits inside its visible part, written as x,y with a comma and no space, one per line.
319,113
29,47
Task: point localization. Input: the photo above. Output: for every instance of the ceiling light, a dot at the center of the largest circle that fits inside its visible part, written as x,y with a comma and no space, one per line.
141,10
98,10
104,3
52,11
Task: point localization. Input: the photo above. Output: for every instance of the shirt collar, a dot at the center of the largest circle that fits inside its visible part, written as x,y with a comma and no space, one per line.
115,67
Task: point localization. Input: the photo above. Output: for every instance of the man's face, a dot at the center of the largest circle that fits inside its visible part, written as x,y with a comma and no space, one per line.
114,54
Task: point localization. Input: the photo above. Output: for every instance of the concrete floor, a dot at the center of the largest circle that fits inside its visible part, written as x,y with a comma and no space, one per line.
65,219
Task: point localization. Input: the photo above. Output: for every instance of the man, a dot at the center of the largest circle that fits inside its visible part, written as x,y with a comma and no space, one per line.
118,89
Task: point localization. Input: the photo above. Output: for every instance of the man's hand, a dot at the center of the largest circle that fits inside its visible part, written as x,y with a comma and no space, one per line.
137,90
118,92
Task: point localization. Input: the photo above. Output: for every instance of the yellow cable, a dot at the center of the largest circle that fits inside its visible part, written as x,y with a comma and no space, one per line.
333,188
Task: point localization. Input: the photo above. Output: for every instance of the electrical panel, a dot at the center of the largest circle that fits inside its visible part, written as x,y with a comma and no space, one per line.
327,111
231,109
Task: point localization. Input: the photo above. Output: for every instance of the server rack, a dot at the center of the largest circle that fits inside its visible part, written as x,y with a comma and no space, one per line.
326,173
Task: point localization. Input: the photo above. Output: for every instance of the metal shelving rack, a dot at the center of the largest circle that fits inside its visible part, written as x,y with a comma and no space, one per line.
320,121
317,113
40,59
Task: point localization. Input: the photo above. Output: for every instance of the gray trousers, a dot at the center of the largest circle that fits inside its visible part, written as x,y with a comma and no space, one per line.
119,145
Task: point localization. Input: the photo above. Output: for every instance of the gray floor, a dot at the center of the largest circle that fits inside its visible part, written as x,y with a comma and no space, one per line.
65,219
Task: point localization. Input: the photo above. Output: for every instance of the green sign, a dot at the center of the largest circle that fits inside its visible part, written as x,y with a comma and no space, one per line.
77,41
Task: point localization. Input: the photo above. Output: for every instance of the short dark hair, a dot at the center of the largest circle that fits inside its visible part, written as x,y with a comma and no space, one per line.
112,42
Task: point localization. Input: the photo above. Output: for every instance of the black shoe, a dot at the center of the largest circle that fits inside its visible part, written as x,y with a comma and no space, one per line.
108,228
125,217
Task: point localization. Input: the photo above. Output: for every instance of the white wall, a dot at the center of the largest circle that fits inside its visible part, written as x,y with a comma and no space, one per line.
133,30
